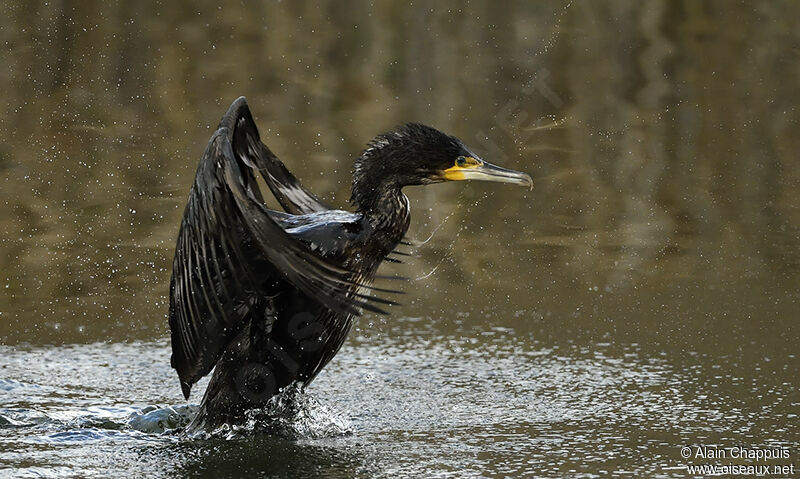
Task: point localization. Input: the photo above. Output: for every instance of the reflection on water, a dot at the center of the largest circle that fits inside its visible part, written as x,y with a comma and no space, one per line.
642,297
417,403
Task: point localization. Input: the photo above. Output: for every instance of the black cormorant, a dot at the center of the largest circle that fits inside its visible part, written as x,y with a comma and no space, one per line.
266,298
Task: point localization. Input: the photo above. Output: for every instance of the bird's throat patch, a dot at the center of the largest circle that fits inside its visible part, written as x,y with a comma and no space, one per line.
463,163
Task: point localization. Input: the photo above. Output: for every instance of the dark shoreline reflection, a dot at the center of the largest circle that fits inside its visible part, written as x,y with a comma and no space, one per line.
671,157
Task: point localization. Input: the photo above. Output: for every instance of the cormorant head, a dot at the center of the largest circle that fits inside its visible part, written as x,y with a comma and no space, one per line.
415,154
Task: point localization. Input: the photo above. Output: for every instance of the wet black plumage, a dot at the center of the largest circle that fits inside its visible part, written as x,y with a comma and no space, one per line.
266,298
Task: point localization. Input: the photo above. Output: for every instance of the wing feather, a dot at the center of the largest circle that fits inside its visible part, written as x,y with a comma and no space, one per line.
226,229
293,197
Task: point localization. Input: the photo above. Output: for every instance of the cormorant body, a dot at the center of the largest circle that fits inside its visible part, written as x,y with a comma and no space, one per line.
266,298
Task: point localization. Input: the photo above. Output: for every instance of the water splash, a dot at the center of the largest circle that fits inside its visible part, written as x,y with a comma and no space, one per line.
152,419
293,414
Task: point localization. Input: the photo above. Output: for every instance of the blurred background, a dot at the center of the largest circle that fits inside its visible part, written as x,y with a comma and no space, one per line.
663,139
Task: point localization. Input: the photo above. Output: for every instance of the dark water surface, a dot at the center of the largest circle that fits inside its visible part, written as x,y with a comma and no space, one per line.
645,296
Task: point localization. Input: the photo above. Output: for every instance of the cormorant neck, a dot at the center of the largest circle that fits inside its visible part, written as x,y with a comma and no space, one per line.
382,205
374,186
377,185
385,207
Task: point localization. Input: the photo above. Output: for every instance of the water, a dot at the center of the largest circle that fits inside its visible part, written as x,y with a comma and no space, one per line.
642,298
412,402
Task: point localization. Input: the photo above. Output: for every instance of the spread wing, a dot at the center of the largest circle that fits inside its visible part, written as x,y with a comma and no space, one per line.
226,229
290,193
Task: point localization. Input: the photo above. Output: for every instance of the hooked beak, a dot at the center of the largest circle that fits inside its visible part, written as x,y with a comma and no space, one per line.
476,169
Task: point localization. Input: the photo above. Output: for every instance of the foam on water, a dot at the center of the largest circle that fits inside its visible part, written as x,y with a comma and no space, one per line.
294,414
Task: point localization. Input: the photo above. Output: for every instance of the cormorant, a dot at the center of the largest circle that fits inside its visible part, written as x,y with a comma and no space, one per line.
266,298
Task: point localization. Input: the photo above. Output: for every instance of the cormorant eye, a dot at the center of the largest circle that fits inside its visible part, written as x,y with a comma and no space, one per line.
461,161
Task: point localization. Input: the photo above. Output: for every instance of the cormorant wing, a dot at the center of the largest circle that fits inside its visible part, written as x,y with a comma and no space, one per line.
327,283
213,280
290,193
